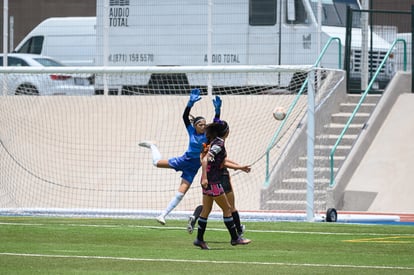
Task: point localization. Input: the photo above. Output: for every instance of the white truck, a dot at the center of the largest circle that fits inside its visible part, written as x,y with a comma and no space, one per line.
243,32
234,32
71,40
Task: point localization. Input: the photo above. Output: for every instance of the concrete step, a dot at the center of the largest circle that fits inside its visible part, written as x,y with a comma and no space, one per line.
319,172
370,98
325,150
363,108
301,184
323,161
330,139
342,118
336,128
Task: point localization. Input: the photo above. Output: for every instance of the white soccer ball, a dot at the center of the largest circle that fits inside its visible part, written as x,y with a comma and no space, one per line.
279,113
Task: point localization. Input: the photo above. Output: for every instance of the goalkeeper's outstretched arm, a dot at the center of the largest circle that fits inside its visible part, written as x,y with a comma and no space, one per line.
194,97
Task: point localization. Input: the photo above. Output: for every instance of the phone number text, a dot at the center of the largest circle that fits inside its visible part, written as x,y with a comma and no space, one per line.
131,58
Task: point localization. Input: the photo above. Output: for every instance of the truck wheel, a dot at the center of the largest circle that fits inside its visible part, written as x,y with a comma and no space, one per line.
26,89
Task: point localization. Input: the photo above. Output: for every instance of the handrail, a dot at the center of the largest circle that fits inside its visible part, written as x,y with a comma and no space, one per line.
302,89
333,150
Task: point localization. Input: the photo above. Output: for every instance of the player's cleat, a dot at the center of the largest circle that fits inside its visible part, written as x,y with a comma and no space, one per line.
191,224
201,244
241,233
161,219
240,241
146,144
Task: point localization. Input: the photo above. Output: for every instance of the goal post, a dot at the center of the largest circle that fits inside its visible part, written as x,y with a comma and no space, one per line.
80,154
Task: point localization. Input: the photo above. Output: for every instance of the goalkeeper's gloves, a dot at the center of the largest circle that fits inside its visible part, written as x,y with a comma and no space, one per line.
194,97
217,104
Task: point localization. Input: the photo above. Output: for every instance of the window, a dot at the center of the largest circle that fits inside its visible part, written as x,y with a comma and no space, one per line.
342,5
262,12
301,16
14,61
33,45
334,11
48,62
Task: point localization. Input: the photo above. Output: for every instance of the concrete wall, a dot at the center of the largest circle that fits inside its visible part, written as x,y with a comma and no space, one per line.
29,13
377,175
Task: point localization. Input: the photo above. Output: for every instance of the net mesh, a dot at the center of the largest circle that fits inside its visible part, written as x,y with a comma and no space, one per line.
81,152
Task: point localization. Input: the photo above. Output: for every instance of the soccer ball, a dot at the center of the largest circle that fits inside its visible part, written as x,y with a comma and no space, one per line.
279,113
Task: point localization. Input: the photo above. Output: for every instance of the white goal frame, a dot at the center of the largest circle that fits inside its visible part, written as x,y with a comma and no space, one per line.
308,69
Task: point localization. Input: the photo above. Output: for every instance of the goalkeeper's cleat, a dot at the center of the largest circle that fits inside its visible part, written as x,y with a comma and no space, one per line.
201,244
240,241
146,144
161,219
191,224
241,233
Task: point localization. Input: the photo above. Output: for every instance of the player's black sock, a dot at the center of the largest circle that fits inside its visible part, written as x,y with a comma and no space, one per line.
231,227
236,219
202,224
197,212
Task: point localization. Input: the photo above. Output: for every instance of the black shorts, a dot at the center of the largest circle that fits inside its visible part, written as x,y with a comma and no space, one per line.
225,182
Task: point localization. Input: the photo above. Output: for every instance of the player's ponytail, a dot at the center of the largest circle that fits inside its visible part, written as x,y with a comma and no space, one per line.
216,129
223,128
211,132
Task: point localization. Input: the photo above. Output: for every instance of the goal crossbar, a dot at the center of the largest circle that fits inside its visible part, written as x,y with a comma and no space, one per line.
160,69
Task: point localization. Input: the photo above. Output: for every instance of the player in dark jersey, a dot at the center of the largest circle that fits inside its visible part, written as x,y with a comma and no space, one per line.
189,162
212,164
228,189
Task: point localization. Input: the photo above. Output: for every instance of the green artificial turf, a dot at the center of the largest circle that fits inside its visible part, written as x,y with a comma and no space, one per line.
33,245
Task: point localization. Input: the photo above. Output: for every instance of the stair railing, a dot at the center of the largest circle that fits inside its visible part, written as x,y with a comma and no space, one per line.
292,106
333,150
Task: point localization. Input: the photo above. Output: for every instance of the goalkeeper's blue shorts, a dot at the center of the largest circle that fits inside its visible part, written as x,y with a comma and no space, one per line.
189,166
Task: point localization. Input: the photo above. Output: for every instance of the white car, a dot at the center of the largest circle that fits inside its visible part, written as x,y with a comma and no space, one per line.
44,84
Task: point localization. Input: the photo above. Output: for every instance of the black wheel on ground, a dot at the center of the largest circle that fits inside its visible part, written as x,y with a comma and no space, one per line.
26,89
331,215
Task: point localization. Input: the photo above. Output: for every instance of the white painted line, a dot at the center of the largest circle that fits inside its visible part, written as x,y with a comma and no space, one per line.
210,229
204,261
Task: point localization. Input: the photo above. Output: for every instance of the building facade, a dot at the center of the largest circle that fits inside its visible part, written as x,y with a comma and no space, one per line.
29,13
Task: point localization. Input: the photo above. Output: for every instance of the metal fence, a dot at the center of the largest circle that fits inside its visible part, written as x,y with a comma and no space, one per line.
382,28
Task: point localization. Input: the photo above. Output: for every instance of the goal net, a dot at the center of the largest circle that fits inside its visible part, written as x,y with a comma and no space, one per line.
80,154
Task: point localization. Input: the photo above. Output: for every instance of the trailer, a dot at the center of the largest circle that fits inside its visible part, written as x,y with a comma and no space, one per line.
211,32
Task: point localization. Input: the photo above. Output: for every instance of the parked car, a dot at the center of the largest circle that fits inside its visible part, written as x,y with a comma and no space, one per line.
44,84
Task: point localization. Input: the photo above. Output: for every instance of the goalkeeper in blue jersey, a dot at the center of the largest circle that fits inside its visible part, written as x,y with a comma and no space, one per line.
189,162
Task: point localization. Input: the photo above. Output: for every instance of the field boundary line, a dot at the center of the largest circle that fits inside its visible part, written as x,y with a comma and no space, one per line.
203,261
210,229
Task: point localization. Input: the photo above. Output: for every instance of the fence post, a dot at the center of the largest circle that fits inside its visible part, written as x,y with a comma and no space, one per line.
412,48
348,38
